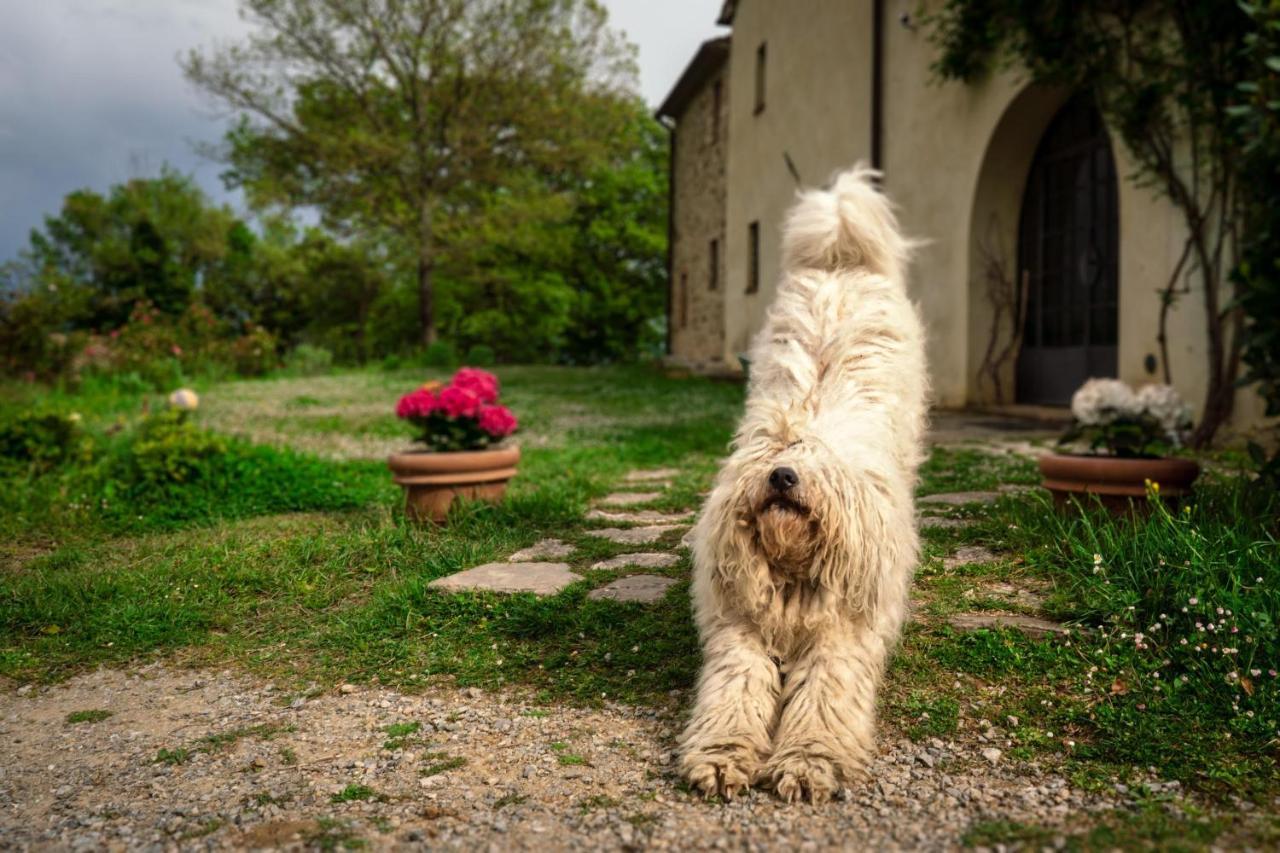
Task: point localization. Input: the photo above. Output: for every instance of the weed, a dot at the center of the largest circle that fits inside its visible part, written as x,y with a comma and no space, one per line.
512,799
92,716
354,792
398,734
442,762
173,757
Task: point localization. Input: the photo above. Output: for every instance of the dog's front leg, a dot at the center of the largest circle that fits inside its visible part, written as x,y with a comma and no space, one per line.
826,732
728,736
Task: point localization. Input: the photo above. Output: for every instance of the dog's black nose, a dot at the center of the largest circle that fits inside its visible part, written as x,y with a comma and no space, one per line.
783,479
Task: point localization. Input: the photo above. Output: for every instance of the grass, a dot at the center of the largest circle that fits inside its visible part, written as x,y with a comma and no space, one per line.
313,575
91,716
353,793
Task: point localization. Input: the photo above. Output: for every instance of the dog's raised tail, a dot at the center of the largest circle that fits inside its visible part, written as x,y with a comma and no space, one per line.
848,225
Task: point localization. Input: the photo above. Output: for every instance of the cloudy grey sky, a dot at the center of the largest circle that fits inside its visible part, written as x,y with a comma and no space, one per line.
91,94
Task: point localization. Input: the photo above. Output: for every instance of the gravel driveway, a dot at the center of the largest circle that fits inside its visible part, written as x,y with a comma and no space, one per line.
248,766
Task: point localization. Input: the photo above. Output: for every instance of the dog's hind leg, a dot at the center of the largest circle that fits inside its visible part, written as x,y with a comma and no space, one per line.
728,736
826,731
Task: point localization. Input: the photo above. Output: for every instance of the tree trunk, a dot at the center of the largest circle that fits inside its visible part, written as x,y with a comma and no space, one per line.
426,290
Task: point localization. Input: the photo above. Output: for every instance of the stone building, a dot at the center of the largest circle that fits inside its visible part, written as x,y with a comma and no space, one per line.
1005,183
699,107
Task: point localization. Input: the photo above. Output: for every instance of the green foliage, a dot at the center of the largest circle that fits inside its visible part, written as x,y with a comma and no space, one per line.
42,439
308,360
439,354
354,792
1258,276
169,449
90,716
1138,435
480,355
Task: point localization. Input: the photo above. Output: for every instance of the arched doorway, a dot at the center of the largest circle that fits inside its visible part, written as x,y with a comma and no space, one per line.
1068,239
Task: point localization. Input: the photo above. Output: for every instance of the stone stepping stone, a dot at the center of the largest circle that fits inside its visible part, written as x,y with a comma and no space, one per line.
1033,627
641,559
651,475
1016,594
645,589
632,535
629,498
686,541
937,522
639,516
537,578
547,549
960,498
968,555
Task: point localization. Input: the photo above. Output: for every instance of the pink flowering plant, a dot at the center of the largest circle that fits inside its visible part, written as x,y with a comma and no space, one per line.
463,414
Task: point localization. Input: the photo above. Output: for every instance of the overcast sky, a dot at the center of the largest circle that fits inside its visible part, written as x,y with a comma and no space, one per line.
91,93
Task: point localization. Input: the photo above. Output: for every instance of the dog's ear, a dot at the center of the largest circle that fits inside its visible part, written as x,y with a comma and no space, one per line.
725,545
860,553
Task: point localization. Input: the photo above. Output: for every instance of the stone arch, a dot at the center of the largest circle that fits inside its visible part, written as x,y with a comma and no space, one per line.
993,225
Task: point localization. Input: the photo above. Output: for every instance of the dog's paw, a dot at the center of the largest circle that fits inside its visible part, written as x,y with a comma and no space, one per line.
797,776
726,772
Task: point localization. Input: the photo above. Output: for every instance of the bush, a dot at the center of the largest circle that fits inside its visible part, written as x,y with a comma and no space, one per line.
480,356
439,354
308,360
168,448
43,439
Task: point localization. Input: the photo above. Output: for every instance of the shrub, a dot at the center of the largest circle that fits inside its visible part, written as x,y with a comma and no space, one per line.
481,355
43,439
440,354
308,360
253,353
169,448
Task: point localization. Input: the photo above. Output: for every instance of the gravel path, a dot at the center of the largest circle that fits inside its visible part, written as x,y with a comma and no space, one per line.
484,771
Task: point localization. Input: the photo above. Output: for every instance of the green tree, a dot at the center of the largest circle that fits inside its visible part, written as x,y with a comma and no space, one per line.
1165,75
397,117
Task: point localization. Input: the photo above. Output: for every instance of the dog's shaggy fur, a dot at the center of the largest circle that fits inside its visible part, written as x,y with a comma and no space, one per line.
805,549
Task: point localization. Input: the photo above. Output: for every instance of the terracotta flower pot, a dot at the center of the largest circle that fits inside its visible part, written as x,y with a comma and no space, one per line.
433,480
1119,483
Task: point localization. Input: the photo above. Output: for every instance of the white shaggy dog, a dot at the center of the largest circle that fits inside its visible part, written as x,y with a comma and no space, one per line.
805,549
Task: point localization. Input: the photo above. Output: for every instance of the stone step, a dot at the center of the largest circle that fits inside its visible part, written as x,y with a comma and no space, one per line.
959,498
641,559
968,555
546,549
629,498
537,578
1032,626
651,475
632,535
644,589
639,516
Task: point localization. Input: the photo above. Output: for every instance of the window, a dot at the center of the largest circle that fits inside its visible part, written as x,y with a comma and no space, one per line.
753,258
683,319
760,63
717,94
713,272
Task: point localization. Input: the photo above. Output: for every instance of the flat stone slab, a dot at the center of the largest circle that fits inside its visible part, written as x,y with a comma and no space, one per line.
547,549
651,475
538,578
642,559
1016,594
645,589
932,522
1030,625
629,498
639,516
632,535
968,555
686,541
959,498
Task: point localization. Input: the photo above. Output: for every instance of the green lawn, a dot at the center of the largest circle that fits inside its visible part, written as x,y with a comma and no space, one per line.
289,556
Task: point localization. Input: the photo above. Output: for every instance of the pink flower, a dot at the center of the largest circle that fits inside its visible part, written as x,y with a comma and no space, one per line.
459,402
482,383
497,421
176,350
417,404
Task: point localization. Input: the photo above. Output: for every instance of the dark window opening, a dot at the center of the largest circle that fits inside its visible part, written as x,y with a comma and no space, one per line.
753,257
760,71
713,271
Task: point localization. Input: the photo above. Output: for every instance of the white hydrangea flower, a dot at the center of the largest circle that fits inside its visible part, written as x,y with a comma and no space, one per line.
1163,403
1099,402
184,399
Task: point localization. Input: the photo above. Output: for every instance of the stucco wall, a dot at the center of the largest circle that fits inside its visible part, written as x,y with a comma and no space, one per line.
817,109
697,315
